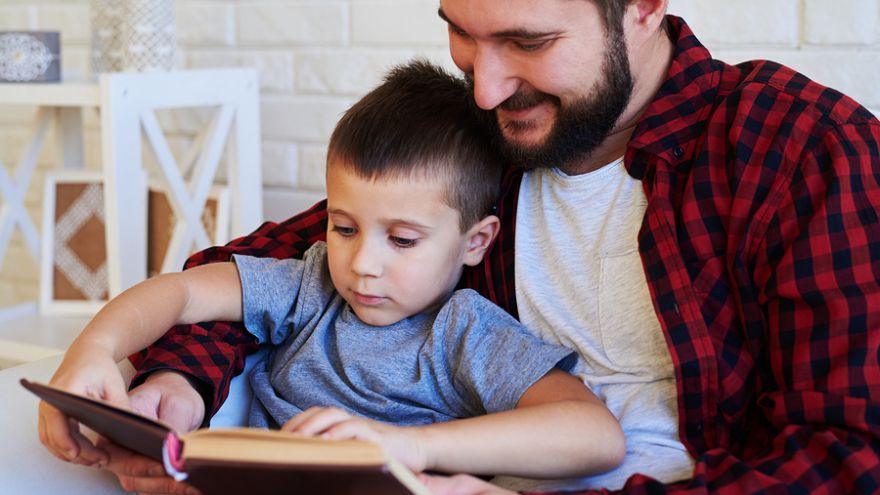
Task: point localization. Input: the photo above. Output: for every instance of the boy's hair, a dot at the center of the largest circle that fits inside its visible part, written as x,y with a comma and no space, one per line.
421,123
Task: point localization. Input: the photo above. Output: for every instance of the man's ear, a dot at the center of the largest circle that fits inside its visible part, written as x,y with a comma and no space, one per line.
479,237
648,14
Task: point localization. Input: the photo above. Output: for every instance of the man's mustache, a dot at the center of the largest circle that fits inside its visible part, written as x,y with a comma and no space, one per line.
522,100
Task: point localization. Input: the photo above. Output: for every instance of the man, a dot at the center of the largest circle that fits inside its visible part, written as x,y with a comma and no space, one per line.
725,297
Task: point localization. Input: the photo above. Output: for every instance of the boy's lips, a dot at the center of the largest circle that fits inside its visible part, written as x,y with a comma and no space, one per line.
368,299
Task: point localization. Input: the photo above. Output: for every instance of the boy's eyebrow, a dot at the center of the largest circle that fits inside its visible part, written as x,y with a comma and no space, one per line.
520,33
389,221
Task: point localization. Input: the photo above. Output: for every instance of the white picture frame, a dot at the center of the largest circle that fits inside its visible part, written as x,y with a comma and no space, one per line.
52,252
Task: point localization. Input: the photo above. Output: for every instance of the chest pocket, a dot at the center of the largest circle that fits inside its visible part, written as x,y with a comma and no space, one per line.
631,335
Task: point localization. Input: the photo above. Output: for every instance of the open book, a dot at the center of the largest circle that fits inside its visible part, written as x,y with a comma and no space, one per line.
243,460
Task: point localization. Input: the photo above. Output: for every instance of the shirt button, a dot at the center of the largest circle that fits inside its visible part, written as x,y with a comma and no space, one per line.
678,152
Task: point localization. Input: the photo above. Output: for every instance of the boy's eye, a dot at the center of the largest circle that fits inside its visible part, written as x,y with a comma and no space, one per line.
403,242
344,231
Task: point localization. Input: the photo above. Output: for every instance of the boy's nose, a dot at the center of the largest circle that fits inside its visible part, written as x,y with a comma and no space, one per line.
366,261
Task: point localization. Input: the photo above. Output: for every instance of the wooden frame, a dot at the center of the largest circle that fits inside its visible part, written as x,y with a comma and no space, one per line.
73,265
73,269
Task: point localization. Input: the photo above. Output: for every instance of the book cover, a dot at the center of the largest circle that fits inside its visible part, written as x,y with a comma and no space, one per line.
243,460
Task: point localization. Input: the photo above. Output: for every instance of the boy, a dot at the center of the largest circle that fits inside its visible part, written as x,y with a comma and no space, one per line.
369,322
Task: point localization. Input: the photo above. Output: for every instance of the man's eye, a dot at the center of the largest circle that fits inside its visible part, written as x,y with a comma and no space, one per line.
344,231
531,46
457,31
403,241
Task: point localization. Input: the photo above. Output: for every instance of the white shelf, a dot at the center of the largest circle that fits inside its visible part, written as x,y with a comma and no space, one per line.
68,94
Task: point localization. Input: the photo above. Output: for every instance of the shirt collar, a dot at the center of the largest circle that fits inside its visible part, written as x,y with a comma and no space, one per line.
675,118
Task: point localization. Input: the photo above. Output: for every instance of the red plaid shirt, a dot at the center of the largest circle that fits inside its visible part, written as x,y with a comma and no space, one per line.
761,245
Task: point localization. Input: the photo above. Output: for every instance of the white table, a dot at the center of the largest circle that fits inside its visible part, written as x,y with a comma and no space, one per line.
127,104
31,337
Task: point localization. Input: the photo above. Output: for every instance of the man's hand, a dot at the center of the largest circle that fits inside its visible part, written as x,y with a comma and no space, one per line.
460,484
169,397
140,474
405,444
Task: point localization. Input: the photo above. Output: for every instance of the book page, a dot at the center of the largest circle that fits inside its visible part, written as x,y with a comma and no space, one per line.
267,446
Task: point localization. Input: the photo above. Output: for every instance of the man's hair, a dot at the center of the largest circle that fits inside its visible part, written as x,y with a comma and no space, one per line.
612,14
612,11
421,123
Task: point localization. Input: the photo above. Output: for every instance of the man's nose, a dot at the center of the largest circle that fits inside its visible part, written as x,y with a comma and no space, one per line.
495,80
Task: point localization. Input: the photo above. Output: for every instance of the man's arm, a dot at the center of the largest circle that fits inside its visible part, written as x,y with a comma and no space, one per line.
209,354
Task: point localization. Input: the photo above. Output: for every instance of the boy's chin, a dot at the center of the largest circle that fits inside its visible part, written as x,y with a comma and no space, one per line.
376,318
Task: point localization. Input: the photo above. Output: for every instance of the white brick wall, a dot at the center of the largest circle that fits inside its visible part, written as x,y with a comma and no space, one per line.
316,57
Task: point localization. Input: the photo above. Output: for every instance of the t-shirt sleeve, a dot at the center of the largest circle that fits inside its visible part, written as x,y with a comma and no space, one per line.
494,359
271,290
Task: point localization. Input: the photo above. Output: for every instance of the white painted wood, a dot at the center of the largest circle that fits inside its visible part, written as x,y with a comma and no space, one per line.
70,151
233,90
13,189
188,200
125,186
122,100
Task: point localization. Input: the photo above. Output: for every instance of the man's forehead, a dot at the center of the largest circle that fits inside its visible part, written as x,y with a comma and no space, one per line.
508,17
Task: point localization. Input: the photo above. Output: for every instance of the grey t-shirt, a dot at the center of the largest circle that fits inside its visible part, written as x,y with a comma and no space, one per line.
466,359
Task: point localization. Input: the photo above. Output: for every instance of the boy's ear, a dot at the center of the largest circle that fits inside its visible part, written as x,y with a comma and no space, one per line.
479,238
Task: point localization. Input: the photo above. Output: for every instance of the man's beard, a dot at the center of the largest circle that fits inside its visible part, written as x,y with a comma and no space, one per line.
579,127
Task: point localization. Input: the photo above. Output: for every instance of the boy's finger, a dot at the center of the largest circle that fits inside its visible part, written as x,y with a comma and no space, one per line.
44,439
321,421
55,433
294,423
351,429
89,454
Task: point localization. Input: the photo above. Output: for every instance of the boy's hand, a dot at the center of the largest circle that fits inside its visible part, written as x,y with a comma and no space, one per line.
94,375
404,443
166,396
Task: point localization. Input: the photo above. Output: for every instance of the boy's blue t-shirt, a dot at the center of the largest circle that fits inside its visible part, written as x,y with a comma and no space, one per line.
466,359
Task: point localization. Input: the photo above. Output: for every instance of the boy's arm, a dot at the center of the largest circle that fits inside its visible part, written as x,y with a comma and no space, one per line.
129,322
558,429
140,315
211,353
534,440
